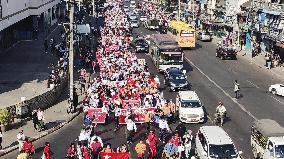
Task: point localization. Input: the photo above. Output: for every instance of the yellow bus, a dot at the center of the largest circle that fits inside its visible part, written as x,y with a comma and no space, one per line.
184,34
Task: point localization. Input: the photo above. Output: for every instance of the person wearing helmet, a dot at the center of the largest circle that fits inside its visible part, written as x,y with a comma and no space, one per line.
220,108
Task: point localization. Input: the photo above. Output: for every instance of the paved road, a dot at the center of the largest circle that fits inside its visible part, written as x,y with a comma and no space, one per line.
256,102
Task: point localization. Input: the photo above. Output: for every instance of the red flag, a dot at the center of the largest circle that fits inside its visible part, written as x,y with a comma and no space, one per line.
114,155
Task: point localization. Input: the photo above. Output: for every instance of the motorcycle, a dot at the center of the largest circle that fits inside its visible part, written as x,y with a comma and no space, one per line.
219,119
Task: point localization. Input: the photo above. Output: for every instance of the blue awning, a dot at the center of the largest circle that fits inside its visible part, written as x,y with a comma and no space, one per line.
271,12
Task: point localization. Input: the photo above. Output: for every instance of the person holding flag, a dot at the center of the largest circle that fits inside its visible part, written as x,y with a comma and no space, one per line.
140,149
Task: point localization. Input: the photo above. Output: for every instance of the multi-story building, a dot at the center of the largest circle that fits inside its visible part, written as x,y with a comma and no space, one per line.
23,19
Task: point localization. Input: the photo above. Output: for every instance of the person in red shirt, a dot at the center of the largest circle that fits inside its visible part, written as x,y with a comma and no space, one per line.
71,152
28,147
46,150
152,142
176,140
85,151
96,147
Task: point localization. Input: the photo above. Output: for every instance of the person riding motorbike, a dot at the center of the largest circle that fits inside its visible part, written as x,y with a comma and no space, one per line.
220,113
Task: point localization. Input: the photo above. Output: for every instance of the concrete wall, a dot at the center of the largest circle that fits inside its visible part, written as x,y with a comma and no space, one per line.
43,101
16,10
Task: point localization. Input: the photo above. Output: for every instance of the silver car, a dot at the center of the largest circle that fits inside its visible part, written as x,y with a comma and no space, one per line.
134,23
204,36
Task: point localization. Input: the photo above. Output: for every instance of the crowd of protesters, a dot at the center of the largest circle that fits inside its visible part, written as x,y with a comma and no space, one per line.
122,77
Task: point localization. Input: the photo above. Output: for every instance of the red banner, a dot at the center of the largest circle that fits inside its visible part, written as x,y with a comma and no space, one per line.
100,117
114,155
139,115
130,104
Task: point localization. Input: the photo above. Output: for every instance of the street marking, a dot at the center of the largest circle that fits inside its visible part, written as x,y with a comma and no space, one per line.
227,94
253,84
277,100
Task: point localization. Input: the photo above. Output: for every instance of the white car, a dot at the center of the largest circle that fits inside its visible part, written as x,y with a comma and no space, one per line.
190,107
277,89
143,18
134,24
132,4
126,9
204,36
132,17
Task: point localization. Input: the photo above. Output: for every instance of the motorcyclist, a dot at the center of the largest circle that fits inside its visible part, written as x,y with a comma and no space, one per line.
221,110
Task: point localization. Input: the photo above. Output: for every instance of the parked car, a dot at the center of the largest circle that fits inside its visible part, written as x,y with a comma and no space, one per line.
175,79
226,53
277,89
204,36
134,23
152,24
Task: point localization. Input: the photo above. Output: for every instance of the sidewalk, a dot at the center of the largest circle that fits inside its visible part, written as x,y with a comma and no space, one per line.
24,70
55,117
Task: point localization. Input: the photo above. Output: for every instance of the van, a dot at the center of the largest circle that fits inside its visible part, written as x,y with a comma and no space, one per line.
213,142
190,107
267,139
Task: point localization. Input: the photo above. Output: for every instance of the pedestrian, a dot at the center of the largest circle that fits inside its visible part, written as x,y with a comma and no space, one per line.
107,149
148,119
140,148
71,152
123,148
21,138
35,119
187,143
237,89
130,127
86,153
152,142
82,82
28,147
96,147
22,155
170,150
181,129
46,151
117,113
41,118
164,128
45,46
173,110
1,138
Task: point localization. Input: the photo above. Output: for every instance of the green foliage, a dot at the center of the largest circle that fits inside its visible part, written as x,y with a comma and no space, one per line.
4,116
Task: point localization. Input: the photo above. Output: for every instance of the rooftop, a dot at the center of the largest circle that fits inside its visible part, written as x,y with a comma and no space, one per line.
269,127
216,135
188,95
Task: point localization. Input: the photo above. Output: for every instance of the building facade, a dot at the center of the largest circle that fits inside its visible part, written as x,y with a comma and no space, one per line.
24,19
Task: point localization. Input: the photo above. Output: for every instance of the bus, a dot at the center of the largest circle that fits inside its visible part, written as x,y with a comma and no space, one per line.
183,33
165,52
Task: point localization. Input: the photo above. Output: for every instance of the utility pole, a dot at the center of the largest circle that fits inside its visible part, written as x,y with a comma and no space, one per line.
71,50
93,3
179,10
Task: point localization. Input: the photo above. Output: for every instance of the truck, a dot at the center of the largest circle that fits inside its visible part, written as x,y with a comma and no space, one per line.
267,139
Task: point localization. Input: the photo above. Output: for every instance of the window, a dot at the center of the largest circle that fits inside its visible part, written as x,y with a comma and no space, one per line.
0,10
53,13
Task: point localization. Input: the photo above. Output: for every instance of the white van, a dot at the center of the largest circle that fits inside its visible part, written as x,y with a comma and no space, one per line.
213,142
190,107
267,139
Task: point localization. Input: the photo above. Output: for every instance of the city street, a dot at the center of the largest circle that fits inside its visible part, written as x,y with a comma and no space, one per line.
213,80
